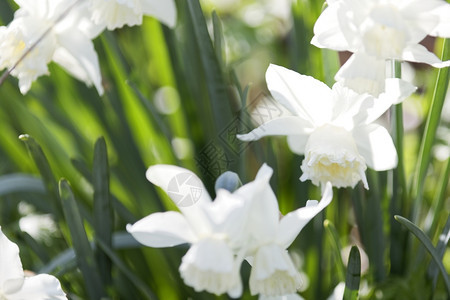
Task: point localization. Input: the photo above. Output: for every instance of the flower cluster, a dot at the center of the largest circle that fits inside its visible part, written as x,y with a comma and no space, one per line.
62,31
238,225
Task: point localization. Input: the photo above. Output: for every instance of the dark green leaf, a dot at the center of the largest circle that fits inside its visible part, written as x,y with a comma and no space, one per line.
353,275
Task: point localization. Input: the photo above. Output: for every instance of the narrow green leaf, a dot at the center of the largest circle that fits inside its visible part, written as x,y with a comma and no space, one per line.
353,275
433,118
45,170
103,214
329,227
218,38
37,248
15,183
441,247
142,286
217,87
428,245
84,254
441,196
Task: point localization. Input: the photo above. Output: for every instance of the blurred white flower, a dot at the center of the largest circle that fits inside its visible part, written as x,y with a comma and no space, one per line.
333,128
284,297
117,13
40,227
214,228
13,283
68,41
379,30
273,272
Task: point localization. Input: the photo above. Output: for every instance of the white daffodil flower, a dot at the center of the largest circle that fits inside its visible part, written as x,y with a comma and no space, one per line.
13,283
273,272
214,228
67,41
333,128
117,13
380,30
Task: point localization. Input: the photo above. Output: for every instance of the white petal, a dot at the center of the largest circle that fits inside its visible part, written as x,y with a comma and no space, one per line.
443,15
285,297
41,286
432,16
376,146
363,74
396,90
11,266
186,190
281,126
327,32
210,265
77,55
303,95
273,272
292,223
165,11
180,184
297,143
418,53
166,229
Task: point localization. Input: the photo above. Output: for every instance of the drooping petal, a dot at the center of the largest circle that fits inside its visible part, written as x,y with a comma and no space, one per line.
292,223
166,229
303,95
376,146
77,56
327,32
42,286
116,13
281,126
396,90
418,53
11,266
165,11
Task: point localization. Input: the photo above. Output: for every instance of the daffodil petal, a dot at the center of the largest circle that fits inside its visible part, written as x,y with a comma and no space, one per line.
303,95
297,143
418,53
11,266
376,146
281,126
77,56
166,229
165,11
327,32
292,223
42,286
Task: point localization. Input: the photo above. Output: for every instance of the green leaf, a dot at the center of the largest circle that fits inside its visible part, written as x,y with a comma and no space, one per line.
428,245
218,38
433,119
217,87
84,254
16,183
329,227
45,170
103,213
433,269
353,275
439,200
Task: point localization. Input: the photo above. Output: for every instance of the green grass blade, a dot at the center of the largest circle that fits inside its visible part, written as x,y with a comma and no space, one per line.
429,135
14,183
218,38
84,255
334,237
353,275
103,213
217,87
142,286
428,245
45,170
433,269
